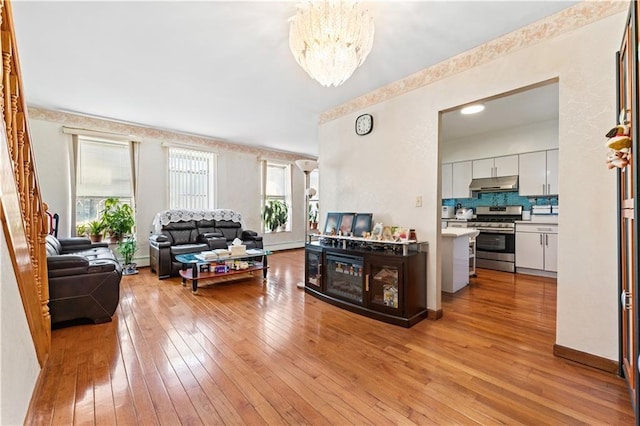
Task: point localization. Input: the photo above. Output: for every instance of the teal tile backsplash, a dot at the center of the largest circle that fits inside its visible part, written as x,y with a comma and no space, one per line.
505,198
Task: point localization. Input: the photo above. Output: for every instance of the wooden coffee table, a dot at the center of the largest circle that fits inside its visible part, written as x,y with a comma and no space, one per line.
195,267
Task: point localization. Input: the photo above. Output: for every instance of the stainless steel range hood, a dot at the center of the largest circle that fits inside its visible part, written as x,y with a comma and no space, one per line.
494,184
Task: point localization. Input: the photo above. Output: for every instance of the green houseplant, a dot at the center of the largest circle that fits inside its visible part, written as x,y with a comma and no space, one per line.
118,218
81,229
95,229
127,249
275,214
313,215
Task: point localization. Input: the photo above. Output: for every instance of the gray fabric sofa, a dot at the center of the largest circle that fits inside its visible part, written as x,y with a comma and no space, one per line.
186,232
84,281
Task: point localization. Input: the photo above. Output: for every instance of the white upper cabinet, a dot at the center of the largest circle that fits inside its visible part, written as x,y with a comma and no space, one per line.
495,167
506,166
533,170
447,180
483,168
461,173
539,173
552,172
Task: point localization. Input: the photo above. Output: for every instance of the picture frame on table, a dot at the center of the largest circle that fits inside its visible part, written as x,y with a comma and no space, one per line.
362,224
346,223
401,234
376,232
331,224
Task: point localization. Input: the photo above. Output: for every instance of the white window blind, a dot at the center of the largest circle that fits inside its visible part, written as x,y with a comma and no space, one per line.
314,182
103,170
191,179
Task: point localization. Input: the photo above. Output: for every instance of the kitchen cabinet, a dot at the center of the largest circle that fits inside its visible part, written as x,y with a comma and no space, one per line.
495,167
384,285
552,172
458,254
551,252
538,173
447,181
456,178
537,248
461,173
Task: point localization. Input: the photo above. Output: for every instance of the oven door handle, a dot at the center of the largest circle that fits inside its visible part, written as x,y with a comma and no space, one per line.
496,231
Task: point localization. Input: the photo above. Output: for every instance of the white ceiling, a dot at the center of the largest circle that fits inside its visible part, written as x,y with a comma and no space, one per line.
513,110
224,69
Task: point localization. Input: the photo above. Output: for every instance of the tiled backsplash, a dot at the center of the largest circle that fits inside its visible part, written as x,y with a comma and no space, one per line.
505,198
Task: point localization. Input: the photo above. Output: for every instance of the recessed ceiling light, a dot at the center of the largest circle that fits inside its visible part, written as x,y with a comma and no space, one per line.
472,109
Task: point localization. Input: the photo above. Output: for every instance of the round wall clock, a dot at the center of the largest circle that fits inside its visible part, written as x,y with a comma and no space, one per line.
364,124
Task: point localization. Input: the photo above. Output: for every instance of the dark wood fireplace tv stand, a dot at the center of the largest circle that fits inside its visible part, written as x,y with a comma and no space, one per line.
374,280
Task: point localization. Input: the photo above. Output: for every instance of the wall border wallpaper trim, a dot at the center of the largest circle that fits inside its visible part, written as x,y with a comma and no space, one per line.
143,132
564,21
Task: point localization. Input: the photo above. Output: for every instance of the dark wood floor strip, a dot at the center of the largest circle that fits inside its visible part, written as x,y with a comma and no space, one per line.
245,352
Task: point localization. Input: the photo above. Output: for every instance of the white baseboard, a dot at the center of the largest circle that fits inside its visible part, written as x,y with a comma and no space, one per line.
284,246
141,261
537,272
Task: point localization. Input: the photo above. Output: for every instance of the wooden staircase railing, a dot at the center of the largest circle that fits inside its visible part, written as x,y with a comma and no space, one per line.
22,212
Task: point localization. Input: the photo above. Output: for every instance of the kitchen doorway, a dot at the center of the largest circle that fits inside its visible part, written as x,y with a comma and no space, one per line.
503,157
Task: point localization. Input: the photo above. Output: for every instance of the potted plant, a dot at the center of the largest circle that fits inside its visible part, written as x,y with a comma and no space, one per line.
118,218
81,229
127,249
275,214
95,229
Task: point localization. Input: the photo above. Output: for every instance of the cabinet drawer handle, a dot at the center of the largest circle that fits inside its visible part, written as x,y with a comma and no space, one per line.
540,239
366,282
546,240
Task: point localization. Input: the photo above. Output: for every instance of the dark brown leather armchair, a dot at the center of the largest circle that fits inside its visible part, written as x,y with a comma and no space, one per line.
84,281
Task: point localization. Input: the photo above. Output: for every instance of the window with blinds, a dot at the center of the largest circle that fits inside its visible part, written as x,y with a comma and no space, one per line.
276,197
103,170
191,179
314,200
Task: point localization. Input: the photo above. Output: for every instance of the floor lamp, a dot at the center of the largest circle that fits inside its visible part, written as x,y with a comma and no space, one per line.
307,166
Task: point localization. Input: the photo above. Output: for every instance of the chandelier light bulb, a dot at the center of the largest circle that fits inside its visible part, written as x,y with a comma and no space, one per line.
330,39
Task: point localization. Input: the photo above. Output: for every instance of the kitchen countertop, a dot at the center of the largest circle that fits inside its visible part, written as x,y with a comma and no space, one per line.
550,219
459,232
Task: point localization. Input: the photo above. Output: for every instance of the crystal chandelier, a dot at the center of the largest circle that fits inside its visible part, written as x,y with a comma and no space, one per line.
330,39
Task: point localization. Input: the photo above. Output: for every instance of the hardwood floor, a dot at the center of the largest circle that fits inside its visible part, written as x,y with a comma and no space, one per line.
244,353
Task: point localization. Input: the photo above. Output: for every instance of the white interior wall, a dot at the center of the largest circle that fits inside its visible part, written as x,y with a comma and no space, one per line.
383,172
53,154
516,140
238,184
19,367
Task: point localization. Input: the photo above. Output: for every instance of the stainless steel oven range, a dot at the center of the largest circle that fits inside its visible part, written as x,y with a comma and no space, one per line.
496,243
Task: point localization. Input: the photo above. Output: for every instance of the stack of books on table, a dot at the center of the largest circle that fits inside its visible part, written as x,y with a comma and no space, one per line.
208,255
